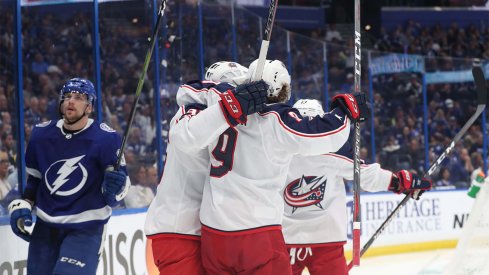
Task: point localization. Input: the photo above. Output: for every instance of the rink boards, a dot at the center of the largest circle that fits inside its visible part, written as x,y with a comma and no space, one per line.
435,221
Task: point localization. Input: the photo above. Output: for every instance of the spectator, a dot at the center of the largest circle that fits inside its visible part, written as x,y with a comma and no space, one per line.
5,186
140,193
444,181
392,145
3,103
135,142
460,167
8,146
347,87
415,151
39,65
152,176
332,34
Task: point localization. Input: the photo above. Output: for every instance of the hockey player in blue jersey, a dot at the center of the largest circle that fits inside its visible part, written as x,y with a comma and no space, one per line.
70,186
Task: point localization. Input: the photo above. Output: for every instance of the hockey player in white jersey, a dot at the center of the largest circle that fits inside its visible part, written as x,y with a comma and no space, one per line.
315,221
172,222
70,185
242,208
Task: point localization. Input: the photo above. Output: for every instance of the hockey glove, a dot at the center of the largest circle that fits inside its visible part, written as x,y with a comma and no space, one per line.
114,187
354,105
20,212
247,99
407,183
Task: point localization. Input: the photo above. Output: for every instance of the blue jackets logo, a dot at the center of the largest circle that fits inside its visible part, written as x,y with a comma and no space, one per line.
306,191
66,177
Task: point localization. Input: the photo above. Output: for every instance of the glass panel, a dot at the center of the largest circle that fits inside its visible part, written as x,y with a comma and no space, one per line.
307,67
9,187
125,32
398,111
57,47
218,37
248,35
451,102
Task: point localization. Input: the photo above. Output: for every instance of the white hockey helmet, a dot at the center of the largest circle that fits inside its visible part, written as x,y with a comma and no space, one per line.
309,107
225,71
275,74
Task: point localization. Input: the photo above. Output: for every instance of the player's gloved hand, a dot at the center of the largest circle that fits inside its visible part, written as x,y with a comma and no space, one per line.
114,187
20,212
247,99
408,183
355,105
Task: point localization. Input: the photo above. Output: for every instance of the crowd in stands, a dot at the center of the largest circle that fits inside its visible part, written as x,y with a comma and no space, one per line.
398,103
58,48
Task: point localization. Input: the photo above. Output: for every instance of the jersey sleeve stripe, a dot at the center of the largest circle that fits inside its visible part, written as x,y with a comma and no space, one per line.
186,86
323,134
86,216
345,159
202,90
33,172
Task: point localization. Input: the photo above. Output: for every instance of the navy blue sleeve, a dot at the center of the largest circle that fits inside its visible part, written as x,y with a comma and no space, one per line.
346,150
202,85
30,191
292,119
192,109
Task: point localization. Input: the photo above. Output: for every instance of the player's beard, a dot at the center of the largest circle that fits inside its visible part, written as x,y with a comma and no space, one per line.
74,118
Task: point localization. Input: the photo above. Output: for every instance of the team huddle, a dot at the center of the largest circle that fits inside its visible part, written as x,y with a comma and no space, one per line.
253,188
251,185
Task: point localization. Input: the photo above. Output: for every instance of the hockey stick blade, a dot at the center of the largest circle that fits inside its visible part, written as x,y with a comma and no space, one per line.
480,82
481,89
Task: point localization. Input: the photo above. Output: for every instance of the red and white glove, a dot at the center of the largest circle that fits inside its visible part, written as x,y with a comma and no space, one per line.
247,99
407,182
354,105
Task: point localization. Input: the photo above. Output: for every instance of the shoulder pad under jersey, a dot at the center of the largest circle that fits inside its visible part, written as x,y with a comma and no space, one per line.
44,124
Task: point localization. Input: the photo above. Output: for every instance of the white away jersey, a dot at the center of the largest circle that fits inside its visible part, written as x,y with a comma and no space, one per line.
315,197
249,163
175,209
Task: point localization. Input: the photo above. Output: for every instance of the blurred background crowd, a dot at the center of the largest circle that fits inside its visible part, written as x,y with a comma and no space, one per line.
58,46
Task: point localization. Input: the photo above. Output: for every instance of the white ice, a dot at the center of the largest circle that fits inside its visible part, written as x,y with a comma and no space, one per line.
419,263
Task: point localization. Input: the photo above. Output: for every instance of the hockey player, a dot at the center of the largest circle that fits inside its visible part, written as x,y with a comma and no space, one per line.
71,185
242,209
315,221
172,222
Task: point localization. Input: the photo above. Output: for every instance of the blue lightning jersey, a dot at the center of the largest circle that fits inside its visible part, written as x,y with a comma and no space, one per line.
66,172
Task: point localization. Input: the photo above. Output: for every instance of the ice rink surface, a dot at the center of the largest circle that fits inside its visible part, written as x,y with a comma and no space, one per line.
420,263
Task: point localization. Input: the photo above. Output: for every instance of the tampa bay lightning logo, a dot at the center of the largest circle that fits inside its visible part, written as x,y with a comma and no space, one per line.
66,177
106,128
306,191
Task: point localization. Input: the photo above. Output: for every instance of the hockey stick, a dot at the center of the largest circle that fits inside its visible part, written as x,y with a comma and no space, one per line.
266,42
357,221
161,11
480,83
